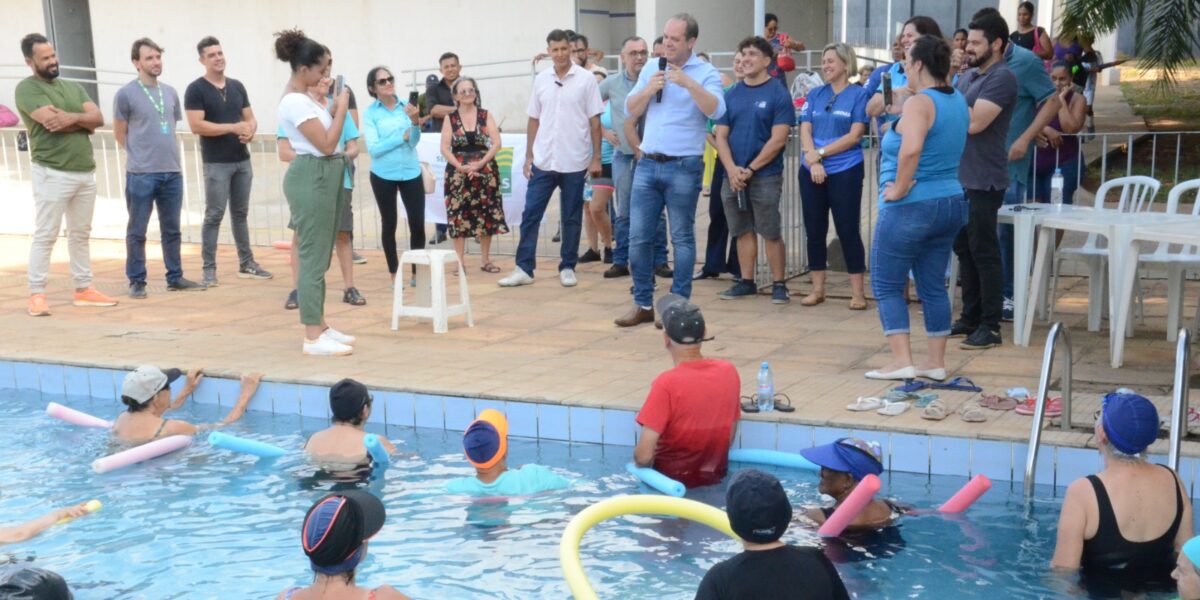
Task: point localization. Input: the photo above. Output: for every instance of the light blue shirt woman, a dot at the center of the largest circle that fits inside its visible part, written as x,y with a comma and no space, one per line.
392,157
937,168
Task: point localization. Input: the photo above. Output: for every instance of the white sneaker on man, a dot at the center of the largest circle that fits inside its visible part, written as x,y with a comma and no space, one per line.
567,277
337,336
324,346
516,278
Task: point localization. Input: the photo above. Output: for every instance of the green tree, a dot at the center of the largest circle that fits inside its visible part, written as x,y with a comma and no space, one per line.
1166,29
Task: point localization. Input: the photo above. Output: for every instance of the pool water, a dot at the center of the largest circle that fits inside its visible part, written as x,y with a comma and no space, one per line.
205,523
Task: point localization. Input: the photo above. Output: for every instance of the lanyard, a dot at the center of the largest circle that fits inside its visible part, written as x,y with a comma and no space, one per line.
159,105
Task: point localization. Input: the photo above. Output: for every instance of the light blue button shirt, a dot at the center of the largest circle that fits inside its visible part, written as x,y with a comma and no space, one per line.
392,158
676,126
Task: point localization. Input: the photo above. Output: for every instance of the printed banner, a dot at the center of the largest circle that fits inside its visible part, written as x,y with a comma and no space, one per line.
510,159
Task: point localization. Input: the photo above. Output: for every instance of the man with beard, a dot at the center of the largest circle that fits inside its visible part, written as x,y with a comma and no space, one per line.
990,88
60,117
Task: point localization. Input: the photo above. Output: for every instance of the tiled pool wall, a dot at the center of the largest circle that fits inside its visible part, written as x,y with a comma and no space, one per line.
930,455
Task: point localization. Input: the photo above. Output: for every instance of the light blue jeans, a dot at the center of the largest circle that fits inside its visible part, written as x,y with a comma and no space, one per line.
623,169
673,184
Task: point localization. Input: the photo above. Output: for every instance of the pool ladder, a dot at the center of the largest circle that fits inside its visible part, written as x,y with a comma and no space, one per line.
1179,397
1058,334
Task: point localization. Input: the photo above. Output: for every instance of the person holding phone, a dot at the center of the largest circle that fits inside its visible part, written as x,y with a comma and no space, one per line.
392,131
313,184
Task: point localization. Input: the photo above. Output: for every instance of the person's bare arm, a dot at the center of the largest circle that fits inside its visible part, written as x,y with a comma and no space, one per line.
351,149
29,529
195,374
530,135
1072,525
1072,118
774,145
918,117
595,168
643,453
733,173
446,153
120,129
494,138
1047,44
1045,114
249,124
284,149
982,115
441,111
326,140
631,136
199,126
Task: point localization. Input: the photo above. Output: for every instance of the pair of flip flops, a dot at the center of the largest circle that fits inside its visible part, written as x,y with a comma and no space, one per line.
958,384
782,404
997,402
883,406
935,411
1028,406
919,399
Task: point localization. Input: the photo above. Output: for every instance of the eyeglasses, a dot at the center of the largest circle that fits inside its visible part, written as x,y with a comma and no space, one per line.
466,92
637,53
385,81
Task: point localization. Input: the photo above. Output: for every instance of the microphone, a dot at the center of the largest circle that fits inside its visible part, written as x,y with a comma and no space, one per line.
558,83
662,66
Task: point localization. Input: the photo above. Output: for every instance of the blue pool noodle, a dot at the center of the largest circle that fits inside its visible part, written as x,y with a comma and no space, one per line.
657,480
774,458
378,453
237,444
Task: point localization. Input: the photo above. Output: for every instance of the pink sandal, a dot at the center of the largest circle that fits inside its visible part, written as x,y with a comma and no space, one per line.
1053,407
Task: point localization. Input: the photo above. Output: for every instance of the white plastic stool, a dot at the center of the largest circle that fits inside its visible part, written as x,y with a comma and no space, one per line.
430,301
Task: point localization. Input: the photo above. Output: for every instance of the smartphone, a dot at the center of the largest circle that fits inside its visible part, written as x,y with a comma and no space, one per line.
887,89
339,86
412,98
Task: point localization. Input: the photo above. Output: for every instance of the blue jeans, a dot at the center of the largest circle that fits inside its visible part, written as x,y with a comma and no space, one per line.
916,237
623,168
143,192
1014,195
570,201
674,184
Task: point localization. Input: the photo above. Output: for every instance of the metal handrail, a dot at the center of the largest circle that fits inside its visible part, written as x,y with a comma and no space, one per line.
1179,399
1058,332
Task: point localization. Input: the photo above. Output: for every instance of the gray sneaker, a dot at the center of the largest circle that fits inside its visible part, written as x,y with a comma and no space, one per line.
357,258
253,271
210,278
779,293
137,290
185,285
741,289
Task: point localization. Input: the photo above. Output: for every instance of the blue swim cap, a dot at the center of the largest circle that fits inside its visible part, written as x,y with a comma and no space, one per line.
857,457
483,444
1130,422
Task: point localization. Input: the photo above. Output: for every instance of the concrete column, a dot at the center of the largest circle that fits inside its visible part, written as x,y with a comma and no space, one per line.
646,20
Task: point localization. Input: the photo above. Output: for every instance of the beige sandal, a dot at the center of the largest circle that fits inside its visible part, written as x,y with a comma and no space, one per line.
812,299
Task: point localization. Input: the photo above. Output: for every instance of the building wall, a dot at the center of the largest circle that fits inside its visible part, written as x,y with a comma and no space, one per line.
19,19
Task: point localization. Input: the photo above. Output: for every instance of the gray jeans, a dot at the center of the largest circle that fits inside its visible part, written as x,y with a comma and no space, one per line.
226,184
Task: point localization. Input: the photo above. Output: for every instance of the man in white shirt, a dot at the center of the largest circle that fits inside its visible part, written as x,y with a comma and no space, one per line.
564,108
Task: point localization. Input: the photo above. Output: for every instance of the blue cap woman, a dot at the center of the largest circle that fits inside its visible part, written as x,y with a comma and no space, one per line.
843,464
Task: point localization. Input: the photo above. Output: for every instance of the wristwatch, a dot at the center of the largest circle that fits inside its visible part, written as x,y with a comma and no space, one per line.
821,152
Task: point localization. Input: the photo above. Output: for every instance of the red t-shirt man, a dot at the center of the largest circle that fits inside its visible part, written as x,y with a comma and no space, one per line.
691,411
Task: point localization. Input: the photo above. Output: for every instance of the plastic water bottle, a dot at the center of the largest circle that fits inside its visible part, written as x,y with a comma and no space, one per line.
765,397
1056,188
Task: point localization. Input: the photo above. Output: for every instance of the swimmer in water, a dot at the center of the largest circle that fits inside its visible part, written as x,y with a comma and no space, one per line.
843,464
29,529
342,443
146,392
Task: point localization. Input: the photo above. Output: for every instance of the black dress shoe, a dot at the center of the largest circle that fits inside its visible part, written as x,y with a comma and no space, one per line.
664,270
616,271
590,256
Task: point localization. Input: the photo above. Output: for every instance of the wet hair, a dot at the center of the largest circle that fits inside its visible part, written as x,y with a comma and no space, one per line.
845,54
207,41
993,26
768,18
1028,6
134,405
579,37
478,94
31,40
759,43
371,78
925,25
297,49
934,53
693,28
557,35
136,52
447,55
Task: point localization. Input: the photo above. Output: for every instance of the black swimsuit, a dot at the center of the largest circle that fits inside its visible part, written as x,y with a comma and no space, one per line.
1110,551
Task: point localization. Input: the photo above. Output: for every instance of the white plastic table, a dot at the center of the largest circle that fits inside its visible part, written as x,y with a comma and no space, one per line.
1185,231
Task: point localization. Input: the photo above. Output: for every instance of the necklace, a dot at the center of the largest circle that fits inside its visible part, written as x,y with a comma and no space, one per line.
221,91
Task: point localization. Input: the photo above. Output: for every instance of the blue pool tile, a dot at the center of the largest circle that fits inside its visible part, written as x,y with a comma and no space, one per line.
587,425
101,385
77,383
909,453
205,392
522,419
7,379
499,405
949,456
757,434
826,435
1072,463
400,410
263,398
378,414
314,402
26,376
429,412
620,428
228,391
554,422
52,379
459,412
992,459
794,438
1043,473
285,399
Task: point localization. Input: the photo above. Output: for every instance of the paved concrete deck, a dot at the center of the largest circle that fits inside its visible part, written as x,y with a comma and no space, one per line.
547,343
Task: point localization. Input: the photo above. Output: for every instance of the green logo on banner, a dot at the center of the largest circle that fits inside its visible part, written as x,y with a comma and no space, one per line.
504,160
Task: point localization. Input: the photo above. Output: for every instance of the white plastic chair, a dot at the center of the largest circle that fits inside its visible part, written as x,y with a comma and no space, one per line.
430,292
1137,194
1177,262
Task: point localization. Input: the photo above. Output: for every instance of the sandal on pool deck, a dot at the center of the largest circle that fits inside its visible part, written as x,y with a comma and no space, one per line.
783,403
1053,407
749,405
893,409
865,403
919,399
912,385
997,402
960,384
972,414
936,411
488,267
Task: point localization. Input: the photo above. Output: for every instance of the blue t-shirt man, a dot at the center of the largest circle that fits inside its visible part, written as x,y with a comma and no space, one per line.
1033,88
832,115
751,112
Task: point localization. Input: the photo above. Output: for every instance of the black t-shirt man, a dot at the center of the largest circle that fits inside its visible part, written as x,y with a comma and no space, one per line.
435,95
223,107
783,573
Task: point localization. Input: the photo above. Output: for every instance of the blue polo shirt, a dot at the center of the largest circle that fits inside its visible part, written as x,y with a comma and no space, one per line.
349,132
529,479
676,126
1033,88
751,112
831,116
392,158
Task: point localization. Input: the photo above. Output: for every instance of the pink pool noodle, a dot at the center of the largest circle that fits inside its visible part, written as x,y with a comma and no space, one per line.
144,452
966,496
75,417
854,504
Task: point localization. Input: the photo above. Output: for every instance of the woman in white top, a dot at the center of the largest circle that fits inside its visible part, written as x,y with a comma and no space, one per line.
313,184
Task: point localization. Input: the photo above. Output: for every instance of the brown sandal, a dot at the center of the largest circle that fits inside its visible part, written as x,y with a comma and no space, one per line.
812,299
858,304
488,267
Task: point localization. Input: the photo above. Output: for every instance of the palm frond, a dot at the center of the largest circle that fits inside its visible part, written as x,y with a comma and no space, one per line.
1169,37
1097,16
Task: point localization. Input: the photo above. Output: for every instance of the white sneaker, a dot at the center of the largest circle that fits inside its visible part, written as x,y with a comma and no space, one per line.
516,278
325,346
567,277
337,336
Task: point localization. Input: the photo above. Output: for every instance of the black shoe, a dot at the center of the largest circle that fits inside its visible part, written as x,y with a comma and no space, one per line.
557,236
353,298
185,285
962,329
292,302
137,290
664,270
590,256
439,236
608,256
616,271
982,339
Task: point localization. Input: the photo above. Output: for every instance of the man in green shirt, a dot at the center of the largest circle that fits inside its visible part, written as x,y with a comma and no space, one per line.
60,118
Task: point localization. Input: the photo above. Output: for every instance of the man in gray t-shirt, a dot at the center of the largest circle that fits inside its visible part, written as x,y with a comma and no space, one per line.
144,116
991,92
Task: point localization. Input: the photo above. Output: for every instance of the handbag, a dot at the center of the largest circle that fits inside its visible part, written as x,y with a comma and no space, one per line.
427,178
784,59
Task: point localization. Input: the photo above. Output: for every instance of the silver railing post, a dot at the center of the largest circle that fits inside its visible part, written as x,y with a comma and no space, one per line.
1058,332
1179,399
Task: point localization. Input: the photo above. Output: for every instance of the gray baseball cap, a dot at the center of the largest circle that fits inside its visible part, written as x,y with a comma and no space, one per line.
681,319
144,382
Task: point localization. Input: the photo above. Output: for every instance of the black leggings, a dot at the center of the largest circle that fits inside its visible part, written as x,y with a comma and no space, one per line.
412,193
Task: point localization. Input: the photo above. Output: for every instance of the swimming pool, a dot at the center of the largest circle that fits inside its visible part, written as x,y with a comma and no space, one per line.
209,524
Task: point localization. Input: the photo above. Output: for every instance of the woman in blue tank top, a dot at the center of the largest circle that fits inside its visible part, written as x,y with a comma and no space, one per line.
921,209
